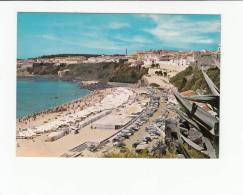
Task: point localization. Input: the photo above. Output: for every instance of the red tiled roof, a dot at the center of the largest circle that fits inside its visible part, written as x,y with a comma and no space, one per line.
188,93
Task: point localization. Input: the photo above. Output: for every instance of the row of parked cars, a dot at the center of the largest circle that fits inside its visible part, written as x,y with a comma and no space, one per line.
154,134
160,122
144,117
124,134
155,131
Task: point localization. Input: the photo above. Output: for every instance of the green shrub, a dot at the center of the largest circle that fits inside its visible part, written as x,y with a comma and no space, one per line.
192,78
126,74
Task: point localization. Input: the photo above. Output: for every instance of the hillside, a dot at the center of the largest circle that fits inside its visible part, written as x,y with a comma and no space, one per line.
127,74
115,72
192,78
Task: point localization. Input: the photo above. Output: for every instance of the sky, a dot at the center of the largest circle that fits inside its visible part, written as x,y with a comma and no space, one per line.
56,33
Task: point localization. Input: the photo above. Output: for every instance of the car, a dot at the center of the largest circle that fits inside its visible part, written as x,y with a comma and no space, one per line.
119,144
115,139
92,148
131,131
154,136
135,128
147,139
157,133
135,144
127,131
118,137
125,136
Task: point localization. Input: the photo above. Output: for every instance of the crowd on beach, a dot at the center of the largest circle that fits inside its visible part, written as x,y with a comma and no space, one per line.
74,106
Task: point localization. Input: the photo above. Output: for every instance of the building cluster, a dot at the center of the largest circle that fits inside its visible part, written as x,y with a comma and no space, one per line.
61,60
140,58
23,64
105,58
170,57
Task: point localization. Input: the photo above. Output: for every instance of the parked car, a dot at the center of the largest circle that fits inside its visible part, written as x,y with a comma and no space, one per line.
135,144
119,144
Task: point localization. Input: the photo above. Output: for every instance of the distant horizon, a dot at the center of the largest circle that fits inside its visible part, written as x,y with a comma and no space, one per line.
108,34
100,54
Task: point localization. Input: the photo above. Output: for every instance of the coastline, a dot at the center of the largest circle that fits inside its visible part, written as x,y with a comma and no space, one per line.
48,77
51,109
92,86
91,105
65,108
98,85
55,109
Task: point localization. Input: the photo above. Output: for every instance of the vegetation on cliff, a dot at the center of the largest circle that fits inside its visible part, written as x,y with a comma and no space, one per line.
127,74
44,69
192,78
110,71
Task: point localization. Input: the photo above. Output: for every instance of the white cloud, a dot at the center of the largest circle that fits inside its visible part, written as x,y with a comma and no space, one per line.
205,27
119,43
140,39
137,39
118,25
178,30
198,39
49,37
98,40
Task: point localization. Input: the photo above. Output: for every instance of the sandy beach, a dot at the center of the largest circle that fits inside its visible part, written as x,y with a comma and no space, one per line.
39,147
62,110
93,105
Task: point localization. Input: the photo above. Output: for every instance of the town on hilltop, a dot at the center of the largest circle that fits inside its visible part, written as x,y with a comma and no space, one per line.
176,60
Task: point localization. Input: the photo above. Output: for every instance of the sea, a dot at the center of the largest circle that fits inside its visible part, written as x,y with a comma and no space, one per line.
35,95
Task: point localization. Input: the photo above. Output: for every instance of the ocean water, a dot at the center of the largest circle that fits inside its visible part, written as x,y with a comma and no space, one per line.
35,95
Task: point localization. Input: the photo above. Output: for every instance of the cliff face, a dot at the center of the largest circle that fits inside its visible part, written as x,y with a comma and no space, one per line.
111,71
44,69
23,73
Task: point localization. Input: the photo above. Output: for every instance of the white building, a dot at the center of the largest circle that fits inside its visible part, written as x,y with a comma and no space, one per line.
112,121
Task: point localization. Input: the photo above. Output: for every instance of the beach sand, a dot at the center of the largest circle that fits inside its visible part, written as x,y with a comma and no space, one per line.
40,148
70,107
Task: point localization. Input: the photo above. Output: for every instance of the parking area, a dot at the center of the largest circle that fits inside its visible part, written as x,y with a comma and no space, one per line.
145,131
